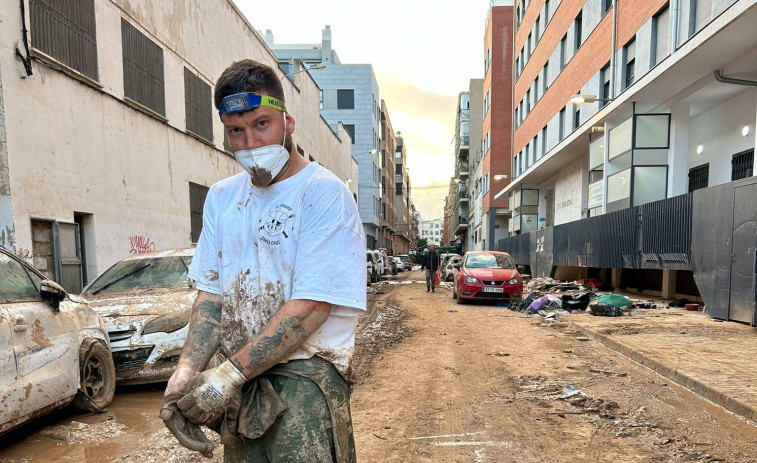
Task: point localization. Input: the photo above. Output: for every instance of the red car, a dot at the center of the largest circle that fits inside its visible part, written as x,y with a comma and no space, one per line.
487,275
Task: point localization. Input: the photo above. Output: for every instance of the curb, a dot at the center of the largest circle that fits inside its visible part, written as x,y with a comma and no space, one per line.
686,381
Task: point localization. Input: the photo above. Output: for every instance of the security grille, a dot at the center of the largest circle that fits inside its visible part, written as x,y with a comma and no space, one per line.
143,69
197,194
197,103
699,177
65,30
742,165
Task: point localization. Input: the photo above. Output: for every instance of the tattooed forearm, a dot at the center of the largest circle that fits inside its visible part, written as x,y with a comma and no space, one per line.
287,330
204,334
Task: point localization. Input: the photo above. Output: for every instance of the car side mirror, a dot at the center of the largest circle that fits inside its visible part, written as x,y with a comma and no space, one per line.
521,269
457,266
53,293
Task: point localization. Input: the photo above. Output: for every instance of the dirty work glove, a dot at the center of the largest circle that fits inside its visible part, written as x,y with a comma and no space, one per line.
187,433
209,394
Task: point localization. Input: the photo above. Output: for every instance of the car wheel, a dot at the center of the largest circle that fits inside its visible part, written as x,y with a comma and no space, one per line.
460,300
98,377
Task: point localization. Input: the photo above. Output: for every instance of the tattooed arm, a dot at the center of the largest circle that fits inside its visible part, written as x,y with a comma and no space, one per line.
289,327
202,341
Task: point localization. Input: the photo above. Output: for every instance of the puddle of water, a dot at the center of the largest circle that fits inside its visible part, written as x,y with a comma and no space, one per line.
123,429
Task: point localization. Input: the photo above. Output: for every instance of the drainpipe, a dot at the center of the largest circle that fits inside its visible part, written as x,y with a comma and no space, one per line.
728,80
676,8
613,64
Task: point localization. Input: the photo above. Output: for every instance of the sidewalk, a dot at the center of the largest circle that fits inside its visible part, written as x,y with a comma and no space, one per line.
717,360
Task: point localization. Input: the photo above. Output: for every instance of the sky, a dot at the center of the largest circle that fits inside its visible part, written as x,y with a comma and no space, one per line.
423,52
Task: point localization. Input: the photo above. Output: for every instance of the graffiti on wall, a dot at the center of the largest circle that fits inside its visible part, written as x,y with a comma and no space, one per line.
140,244
8,238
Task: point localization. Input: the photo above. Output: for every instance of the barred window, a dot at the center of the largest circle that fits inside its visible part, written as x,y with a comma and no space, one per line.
699,177
742,165
143,69
66,32
197,194
198,106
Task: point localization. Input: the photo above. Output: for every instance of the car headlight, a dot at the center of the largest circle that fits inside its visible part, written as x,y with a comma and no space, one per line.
169,322
470,280
514,281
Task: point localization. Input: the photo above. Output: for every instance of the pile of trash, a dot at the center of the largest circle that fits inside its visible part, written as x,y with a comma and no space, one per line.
551,305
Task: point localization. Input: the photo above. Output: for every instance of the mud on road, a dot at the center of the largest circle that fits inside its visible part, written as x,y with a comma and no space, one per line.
441,382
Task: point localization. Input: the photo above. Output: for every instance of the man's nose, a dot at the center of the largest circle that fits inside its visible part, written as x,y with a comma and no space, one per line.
251,141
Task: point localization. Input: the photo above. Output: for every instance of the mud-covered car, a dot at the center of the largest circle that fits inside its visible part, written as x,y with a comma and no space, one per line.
146,302
54,348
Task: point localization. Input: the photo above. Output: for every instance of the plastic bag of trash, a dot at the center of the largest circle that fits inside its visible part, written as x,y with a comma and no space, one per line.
545,302
615,300
605,310
576,303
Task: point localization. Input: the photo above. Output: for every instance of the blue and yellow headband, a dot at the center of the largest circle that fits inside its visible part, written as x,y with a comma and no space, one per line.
248,101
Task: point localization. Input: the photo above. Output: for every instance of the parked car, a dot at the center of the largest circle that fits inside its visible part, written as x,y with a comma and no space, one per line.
398,262
54,348
146,302
449,269
487,275
392,265
406,264
372,268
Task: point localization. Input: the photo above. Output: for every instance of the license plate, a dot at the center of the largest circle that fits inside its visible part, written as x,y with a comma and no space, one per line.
493,290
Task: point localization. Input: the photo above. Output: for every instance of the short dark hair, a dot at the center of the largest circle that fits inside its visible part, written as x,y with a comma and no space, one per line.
248,76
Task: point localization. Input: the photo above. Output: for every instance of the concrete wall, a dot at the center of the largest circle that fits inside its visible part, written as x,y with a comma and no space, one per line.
82,149
718,130
570,191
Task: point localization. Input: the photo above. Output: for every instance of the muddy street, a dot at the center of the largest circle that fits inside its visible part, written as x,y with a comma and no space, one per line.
443,382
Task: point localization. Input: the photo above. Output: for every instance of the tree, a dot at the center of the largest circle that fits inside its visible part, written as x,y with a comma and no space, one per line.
422,243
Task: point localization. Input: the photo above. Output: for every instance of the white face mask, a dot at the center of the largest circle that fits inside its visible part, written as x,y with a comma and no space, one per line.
264,163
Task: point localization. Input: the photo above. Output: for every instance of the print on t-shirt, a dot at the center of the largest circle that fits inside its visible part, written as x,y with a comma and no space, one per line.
276,223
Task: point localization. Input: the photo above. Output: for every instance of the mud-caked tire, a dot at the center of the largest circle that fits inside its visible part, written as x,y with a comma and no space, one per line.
97,377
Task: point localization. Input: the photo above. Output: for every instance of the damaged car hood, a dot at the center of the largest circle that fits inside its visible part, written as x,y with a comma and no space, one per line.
142,305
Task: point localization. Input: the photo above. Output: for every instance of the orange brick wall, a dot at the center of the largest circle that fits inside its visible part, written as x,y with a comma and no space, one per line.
499,36
591,56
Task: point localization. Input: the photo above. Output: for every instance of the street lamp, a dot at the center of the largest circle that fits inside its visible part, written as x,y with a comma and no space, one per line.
580,98
314,67
500,177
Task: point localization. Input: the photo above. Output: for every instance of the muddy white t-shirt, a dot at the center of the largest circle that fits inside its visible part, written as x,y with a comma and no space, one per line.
300,238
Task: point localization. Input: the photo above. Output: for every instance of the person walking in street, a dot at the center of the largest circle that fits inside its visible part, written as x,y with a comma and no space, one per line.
286,328
431,265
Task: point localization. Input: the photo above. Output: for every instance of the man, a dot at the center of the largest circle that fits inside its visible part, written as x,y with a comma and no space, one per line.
431,264
285,324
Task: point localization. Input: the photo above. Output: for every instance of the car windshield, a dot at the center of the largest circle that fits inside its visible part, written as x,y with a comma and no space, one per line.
489,261
156,272
15,281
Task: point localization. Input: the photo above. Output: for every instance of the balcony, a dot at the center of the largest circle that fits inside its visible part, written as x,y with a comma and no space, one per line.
461,224
462,168
464,114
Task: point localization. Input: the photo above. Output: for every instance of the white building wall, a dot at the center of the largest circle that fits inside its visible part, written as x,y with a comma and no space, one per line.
570,191
78,148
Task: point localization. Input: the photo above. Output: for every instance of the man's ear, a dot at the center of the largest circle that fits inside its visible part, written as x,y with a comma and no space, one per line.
291,123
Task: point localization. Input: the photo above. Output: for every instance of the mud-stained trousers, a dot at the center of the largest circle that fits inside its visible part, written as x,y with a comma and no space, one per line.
297,412
430,279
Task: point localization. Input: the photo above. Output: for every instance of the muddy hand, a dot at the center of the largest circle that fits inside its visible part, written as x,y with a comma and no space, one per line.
210,393
179,379
187,433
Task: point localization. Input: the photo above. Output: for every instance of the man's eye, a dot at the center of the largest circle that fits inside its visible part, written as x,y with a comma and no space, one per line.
262,123
234,131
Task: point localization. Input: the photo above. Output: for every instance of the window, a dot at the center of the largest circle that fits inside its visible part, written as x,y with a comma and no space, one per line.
536,89
536,29
544,78
576,119
345,99
742,165
561,121
604,78
606,5
66,31
143,69
629,57
528,47
528,101
563,50
350,128
198,106
320,98
197,194
699,177
661,35
544,140
577,26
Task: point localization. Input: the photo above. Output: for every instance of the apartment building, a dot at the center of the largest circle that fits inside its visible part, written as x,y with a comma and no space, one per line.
633,150
109,139
388,147
431,230
496,135
404,236
469,169
349,95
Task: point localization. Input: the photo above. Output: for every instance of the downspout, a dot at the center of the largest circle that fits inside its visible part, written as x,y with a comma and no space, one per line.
26,60
728,80
676,7
613,63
